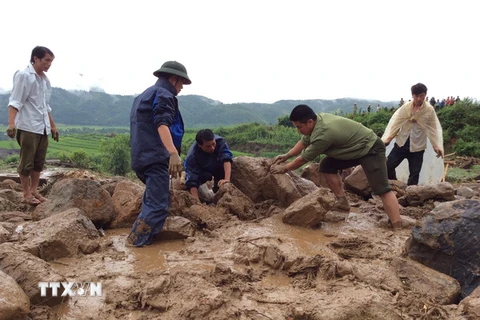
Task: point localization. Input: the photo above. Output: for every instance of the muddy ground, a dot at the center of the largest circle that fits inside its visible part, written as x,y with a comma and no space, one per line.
224,275
354,268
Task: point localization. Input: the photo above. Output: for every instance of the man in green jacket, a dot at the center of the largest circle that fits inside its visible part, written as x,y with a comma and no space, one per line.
346,143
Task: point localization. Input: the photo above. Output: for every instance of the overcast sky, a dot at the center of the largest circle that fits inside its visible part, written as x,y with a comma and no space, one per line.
251,50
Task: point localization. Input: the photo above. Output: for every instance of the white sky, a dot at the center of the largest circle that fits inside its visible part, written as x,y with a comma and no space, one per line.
251,50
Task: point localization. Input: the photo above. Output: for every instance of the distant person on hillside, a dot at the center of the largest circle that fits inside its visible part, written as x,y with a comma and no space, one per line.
433,103
449,101
401,102
346,143
207,158
156,132
442,104
30,120
411,125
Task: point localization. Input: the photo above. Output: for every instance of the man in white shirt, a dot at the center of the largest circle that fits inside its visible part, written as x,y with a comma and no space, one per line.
411,125
30,120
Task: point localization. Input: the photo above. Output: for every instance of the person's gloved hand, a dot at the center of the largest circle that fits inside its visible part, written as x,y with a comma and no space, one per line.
175,167
55,134
278,168
281,158
11,130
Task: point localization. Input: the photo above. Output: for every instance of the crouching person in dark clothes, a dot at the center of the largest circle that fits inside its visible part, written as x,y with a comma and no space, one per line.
156,132
208,157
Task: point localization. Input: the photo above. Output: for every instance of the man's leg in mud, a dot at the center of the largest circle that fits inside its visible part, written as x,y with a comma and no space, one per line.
155,206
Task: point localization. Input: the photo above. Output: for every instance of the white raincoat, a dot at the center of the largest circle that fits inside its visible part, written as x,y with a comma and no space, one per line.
418,126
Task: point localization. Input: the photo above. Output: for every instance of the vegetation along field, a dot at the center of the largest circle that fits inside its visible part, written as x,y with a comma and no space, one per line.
106,149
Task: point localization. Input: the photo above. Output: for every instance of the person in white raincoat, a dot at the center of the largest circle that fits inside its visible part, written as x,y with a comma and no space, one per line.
411,125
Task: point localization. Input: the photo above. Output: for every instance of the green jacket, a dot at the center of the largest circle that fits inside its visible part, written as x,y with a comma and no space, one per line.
339,138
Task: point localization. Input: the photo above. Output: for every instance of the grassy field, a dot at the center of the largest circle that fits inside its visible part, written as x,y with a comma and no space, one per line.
90,143
88,139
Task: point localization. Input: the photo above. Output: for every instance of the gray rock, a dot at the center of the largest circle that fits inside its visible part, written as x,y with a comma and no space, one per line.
447,241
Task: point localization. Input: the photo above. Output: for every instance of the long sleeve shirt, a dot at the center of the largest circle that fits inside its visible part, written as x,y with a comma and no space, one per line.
31,97
198,162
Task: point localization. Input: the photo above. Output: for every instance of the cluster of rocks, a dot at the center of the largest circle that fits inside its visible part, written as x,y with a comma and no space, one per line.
440,258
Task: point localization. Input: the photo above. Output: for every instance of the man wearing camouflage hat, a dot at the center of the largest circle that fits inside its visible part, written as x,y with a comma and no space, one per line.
156,132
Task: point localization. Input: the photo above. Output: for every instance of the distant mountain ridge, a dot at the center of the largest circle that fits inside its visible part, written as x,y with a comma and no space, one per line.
103,109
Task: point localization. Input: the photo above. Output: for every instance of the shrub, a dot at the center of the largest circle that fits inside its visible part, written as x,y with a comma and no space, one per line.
12,159
465,148
115,155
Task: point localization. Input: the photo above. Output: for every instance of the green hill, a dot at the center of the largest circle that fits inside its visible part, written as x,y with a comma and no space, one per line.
102,109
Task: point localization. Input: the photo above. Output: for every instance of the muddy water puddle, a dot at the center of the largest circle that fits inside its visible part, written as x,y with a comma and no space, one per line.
198,255
276,281
306,241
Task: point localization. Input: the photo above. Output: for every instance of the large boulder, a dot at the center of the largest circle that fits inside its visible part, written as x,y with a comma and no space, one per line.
357,182
310,210
14,303
11,200
180,201
310,172
235,202
252,177
447,241
127,203
85,194
64,235
206,217
176,228
471,305
402,274
248,174
438,286
418,195
28,270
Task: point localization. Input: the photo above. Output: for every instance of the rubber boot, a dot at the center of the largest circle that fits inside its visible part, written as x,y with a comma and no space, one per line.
341,204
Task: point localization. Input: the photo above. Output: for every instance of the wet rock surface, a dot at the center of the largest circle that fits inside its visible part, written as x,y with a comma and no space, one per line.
255,254
447,241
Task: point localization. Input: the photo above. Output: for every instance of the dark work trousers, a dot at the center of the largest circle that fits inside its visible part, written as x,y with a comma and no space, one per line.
155,205
415,161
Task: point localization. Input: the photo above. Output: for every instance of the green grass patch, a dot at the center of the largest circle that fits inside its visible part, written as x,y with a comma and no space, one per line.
10,144
459,175
89,143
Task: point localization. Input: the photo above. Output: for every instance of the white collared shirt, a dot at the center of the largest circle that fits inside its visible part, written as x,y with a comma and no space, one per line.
31,96
418,138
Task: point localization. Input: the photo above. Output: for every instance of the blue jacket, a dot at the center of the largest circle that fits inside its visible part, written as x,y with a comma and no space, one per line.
200,164
156,106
